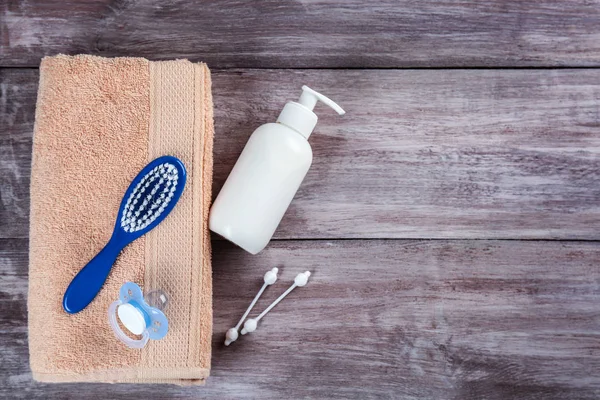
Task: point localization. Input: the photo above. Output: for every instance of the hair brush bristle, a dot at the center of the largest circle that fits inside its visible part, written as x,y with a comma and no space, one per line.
150,197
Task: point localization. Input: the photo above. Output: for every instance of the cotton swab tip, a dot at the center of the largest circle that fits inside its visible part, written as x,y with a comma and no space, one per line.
302,279
249,326
271,276
231,336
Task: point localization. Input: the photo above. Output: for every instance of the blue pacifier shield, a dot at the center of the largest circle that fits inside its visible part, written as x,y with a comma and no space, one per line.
157,324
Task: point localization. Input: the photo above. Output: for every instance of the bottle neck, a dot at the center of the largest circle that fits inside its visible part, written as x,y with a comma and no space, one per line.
298,118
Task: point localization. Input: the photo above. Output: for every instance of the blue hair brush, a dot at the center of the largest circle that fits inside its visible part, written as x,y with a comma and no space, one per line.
147,202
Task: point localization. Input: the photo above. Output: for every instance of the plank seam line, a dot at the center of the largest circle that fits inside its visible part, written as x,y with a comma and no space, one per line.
353,68
220,240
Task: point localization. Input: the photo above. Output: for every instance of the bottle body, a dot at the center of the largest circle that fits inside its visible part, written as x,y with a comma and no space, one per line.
261,186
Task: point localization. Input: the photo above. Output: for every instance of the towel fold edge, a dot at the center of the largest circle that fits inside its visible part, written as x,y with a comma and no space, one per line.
175,376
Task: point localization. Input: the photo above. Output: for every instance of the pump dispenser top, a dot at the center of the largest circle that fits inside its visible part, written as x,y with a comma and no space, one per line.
300,116
267,175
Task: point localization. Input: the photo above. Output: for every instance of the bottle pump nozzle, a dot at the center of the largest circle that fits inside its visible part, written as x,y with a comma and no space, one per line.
309,99
299,115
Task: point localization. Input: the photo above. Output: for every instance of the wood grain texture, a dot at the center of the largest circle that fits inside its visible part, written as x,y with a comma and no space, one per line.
446,154
17,114
425,319
504,154
308,33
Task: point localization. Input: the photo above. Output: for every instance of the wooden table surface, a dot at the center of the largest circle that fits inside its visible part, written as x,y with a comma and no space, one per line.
451,219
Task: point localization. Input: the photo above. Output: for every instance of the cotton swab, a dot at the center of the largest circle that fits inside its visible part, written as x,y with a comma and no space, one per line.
300,280
232,334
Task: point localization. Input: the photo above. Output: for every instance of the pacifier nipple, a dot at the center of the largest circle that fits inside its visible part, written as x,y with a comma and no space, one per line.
157,299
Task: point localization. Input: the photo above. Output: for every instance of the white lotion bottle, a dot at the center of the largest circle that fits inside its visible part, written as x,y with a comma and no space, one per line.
267,175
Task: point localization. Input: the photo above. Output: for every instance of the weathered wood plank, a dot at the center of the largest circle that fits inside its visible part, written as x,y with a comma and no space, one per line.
308,33
379,319
17,114
420,154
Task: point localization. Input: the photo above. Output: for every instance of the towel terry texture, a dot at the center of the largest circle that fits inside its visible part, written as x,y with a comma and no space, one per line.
99,121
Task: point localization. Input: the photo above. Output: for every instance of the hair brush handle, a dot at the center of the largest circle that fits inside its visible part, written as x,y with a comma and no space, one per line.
88,282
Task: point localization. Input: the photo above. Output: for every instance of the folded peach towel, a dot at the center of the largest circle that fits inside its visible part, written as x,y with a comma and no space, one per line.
98,122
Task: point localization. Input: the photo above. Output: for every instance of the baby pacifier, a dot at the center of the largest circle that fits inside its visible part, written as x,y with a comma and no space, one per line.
139,315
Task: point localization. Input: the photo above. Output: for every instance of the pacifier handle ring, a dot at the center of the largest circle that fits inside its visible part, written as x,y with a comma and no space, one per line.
114,324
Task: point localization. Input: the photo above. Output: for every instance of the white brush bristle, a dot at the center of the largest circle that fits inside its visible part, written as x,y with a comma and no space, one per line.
150,197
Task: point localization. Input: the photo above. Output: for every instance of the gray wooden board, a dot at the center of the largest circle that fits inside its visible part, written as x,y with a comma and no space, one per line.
308,33
446,154
504,154
378,319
